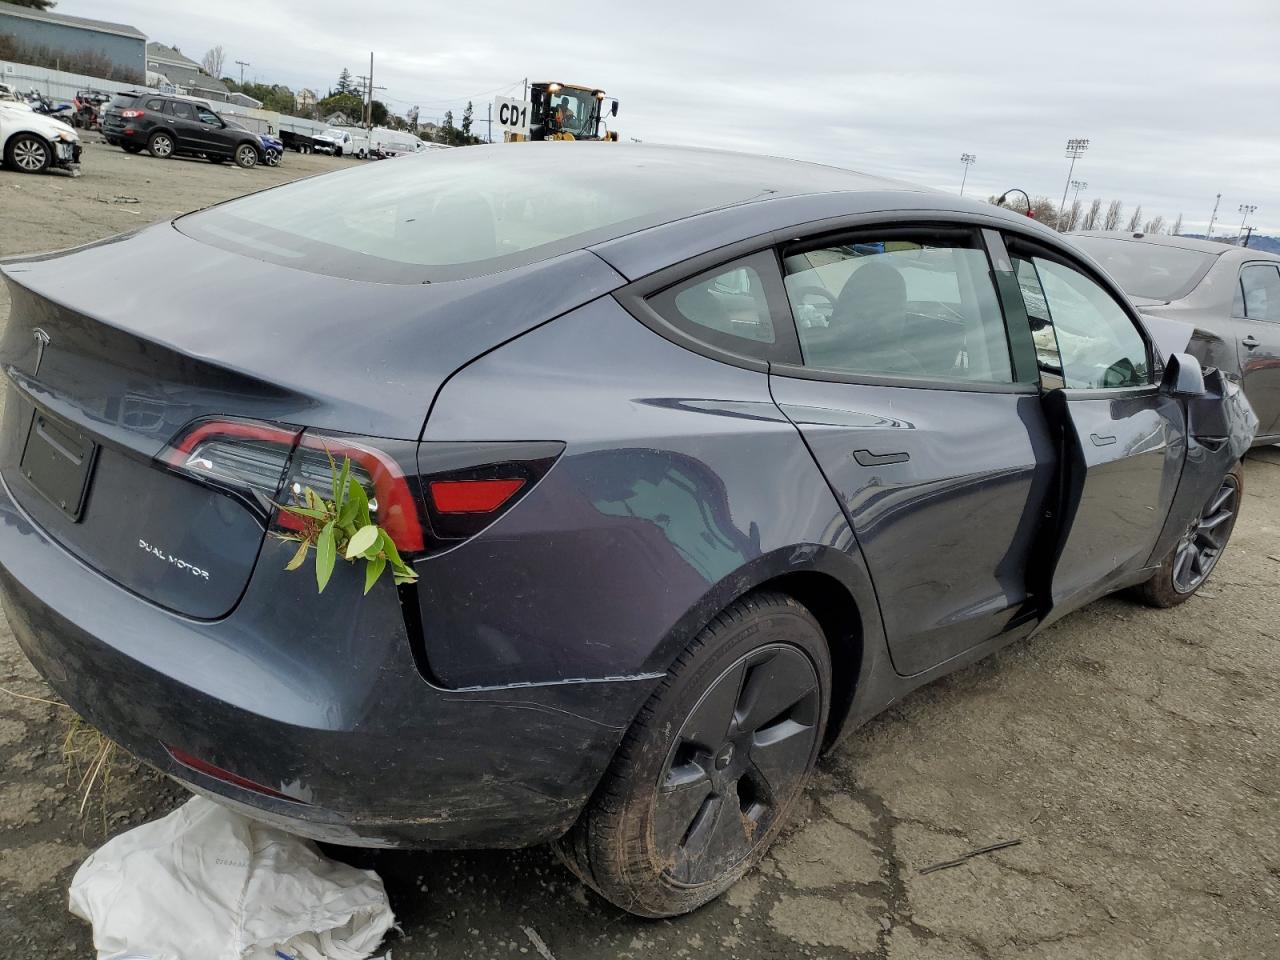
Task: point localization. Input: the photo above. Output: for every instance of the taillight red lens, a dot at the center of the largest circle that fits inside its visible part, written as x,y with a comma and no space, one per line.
130,114
472,496
392,502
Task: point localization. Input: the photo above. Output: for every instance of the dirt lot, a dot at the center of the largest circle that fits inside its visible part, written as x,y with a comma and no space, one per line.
1134,753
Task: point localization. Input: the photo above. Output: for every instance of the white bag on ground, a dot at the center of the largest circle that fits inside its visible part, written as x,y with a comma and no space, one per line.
205,883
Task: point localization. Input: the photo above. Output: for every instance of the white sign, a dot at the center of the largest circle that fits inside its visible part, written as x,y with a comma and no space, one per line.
512,116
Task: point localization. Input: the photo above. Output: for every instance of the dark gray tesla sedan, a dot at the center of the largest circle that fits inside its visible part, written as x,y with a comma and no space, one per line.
1232,294
701,461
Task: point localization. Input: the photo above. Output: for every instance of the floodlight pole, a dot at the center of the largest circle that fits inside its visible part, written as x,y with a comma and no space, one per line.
1213,219
967,159
1246,209
1075,150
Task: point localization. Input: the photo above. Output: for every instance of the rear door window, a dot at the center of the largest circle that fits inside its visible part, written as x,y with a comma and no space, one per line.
156,105
1260,291
903,304
183,111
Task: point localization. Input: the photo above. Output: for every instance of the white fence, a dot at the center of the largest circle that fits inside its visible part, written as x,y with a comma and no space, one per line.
57,85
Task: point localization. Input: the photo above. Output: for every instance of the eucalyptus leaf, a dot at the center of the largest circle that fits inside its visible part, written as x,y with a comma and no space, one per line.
373,571
326,555
300,557
364,538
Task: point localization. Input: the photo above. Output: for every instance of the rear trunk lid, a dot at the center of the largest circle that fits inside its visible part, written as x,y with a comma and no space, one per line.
113,349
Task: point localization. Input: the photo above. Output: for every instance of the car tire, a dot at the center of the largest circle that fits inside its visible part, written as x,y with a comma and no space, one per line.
246,156
28,153
1192,559
160,145
337,151
713,764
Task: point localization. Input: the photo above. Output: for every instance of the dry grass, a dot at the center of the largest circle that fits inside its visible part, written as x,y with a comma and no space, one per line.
89,755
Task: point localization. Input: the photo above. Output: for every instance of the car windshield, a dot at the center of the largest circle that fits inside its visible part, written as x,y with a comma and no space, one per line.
451,213
1152,270
332,134
573,111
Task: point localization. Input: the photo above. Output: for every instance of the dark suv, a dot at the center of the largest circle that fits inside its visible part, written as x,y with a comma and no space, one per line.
165,125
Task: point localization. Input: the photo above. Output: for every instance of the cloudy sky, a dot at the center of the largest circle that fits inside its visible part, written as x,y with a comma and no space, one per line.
1180,100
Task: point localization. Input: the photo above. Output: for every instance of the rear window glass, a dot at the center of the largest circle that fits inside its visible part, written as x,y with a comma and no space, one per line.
452,213
1151,270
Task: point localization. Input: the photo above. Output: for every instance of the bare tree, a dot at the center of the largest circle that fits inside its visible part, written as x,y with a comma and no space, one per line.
1044,210
1155,225
1093,219
1176,229
1115,210
213,61
1071,219
1135,221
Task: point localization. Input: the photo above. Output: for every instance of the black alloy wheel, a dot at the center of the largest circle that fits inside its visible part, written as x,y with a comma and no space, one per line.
738,760
712,765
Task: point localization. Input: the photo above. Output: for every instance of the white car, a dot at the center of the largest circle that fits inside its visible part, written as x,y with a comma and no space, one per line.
32,143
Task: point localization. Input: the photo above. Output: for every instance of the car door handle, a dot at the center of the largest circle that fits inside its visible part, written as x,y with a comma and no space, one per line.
1250,341
1102,441
868,459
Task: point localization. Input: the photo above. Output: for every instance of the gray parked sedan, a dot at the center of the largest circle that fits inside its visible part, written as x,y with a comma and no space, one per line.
701,460
1230,291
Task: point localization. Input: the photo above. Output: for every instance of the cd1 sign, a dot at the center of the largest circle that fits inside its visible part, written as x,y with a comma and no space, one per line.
512,116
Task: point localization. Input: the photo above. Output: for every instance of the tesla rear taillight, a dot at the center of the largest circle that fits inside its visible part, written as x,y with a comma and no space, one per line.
245,457
266,465
391,500
468,486
472,496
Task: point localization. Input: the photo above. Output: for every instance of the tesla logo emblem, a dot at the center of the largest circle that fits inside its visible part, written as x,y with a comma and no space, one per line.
42,341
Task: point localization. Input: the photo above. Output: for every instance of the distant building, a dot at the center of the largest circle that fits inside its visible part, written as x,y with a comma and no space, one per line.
306,100
114,51
338,119
184,73
243,100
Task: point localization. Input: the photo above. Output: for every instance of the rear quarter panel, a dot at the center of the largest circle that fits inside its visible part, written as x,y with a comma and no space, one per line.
682,487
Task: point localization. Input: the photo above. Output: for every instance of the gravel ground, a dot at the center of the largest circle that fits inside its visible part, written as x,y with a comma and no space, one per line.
1132,751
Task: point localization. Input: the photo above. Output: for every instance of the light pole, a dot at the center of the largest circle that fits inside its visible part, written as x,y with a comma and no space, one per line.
1005,196
1247,209
1075,150
1077,186
243,64
1213,219
967,159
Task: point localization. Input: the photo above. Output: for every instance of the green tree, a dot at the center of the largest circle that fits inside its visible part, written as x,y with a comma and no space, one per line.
380,113
344,82
274,96
347,103
466,123
35,4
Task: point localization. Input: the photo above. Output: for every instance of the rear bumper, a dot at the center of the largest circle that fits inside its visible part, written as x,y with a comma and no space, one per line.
332,711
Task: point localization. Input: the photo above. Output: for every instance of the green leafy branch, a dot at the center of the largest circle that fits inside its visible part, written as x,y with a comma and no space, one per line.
343,526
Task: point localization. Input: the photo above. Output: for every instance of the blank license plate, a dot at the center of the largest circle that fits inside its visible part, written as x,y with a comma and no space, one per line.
57,460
